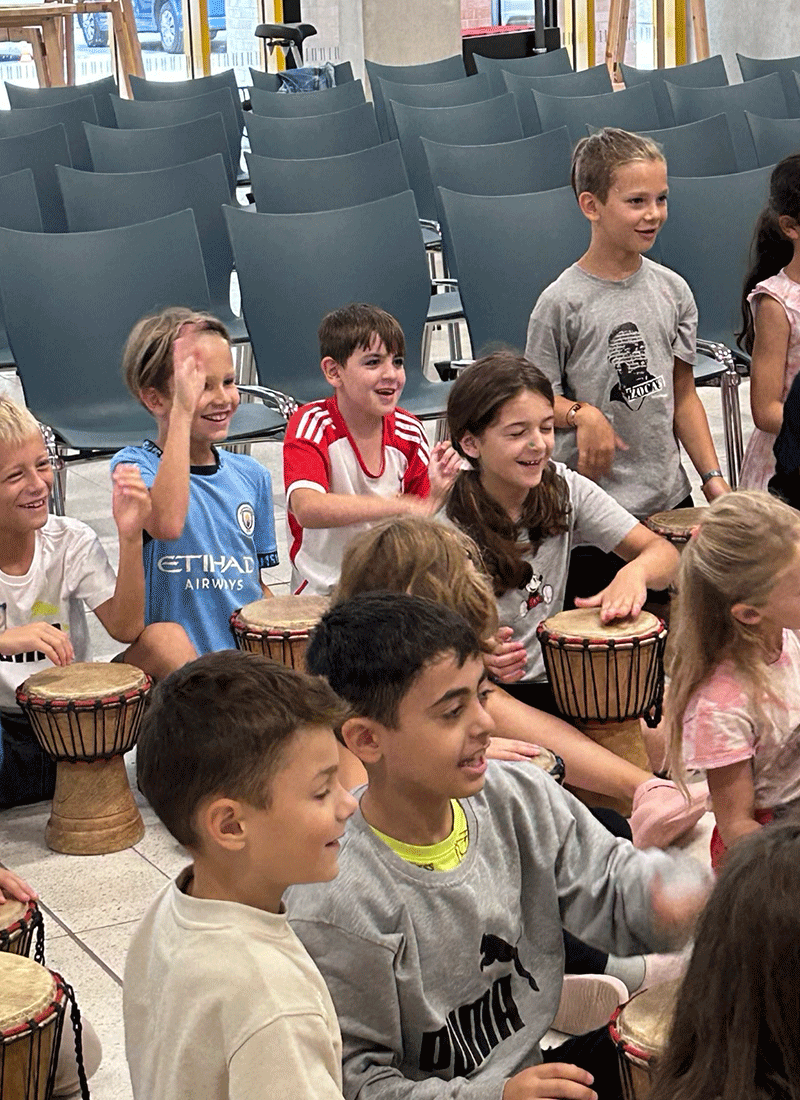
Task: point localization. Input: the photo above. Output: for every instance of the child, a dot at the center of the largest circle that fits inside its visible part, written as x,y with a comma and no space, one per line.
212,527
441,941
221,1001
356,457
418,555
771,312
50,566
734,698
739,1039
615,334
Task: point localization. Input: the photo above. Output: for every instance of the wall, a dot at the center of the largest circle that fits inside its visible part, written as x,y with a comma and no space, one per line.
768,28
398,32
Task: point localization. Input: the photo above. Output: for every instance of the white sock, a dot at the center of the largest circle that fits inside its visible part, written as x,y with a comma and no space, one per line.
629,970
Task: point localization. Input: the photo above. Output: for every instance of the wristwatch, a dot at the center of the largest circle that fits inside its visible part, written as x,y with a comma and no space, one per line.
572,412
708,476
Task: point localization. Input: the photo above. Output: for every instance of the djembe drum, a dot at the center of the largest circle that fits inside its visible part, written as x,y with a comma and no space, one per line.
279,627
549,762
86,716
640,1029
32,1006
20,921
676,526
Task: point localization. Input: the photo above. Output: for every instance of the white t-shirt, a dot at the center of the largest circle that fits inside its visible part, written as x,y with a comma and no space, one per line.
69,569
222,1002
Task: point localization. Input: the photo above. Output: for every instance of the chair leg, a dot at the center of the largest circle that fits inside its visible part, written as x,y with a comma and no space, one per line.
55,453
245,367
427,343
440,433
732,422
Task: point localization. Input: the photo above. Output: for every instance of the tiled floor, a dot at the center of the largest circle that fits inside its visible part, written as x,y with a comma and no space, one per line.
92,903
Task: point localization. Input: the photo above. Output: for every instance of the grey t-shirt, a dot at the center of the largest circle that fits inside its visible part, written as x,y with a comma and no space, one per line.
613,344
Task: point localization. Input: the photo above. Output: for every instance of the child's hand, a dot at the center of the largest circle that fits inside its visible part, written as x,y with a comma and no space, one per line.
716,487
38,637
550,1081
508,658
677,905
443,468
624,597
506,748
12,886
189,377
130,504
597,443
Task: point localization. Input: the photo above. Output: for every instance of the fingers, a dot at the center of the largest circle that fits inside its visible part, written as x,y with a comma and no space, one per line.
55,645
589,601
12,886
620,444
505,748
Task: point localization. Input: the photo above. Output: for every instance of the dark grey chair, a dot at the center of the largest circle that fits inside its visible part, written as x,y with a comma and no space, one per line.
187,89
702,148
160,147
455,93
40,151
323,102
773,138
587,82
491,120
19,209
99,200
142,114
315,135
72,114
630,109
754,67
763,97
269,82
540,64
295,268
708,73
431,72
99,90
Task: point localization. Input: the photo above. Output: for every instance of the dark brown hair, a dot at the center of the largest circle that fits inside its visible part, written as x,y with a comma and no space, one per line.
344,330
220,726
475,401
147,358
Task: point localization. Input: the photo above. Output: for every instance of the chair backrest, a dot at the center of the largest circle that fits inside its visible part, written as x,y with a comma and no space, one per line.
773,138
315,135
431,72
708,73
702,148
491,120
710,248
99,200
763,96
323,102
19,209
499,282
327,183
295,268
269,82
115,277
455,93
187,89
540,64
99,90
143,114
40,151
159,147
754,67
594,81
630,109
72,114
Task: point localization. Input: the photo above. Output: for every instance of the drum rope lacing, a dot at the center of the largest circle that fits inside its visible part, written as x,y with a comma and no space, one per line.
25,929
120,713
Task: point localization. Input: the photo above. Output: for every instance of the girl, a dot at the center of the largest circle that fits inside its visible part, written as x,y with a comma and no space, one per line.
771,314
739,1039
734,699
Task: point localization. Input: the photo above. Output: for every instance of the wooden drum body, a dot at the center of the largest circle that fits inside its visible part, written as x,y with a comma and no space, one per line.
86,716
19,922
32,1005
640,1029
279,627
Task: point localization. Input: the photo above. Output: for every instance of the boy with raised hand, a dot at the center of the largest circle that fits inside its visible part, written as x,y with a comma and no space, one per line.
441,939
221,1000
356,457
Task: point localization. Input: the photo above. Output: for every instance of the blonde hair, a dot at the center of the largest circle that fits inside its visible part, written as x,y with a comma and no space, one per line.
423,558
147,358
17,424
597,158
746,540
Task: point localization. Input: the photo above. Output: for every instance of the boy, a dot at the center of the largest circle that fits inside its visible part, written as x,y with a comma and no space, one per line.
212,526
50,566
615,334
356,457
441,940
221,1001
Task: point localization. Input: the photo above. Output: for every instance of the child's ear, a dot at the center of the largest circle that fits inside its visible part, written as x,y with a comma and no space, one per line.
590,205
363,738
154,401
221,821
332,370
789,227
469,445
746,614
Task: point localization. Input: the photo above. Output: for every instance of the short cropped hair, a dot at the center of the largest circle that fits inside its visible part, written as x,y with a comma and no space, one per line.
147,358
597,158
353,327
219,727
372,648
17,424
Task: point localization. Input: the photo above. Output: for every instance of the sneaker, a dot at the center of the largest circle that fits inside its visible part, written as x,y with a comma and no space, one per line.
588,1001
661,812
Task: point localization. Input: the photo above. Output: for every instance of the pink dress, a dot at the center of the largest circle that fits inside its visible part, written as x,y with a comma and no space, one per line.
758,464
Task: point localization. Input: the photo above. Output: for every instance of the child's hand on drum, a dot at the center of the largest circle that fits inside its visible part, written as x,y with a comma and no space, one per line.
443,469
506,748
507,659
623,598
188,373
131,504
550,1081
12,886
38,637
678,903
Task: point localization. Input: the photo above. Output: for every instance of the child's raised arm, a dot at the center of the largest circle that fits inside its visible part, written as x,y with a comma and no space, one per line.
123,614
768,365
691,429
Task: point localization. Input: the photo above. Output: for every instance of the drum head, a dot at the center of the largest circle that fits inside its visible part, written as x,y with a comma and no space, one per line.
644,1022
84,680
289,613
12,911
677,524
584,624
26,990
